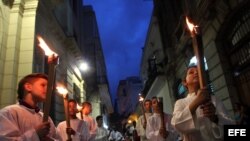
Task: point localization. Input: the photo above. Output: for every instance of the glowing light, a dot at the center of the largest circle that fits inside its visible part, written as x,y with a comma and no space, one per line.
140,98
45,47
62,90
129,121
84,66
191,27
79,108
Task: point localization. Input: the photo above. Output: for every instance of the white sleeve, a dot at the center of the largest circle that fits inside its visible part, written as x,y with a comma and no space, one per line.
61,131
223,118
9,130
222,113
182,119
93,129
139,127
85,135
111,135
151,133
53,134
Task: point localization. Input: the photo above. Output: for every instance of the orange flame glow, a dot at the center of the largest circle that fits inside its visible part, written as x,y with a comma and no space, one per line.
61,90
79,108
45,47
191,26
140,98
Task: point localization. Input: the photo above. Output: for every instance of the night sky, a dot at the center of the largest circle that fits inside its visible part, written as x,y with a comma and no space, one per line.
123,26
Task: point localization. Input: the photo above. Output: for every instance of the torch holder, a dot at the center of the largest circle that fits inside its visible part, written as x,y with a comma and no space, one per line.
52,62
198,50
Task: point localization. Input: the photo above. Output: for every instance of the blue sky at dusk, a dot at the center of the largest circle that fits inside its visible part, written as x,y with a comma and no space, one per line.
123,26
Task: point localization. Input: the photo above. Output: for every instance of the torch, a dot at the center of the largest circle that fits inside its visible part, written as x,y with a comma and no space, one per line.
141,99
52,61
79,108
64,93
162,116
198,50
160,105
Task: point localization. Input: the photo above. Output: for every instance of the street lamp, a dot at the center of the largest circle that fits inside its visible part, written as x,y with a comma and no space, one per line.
84,66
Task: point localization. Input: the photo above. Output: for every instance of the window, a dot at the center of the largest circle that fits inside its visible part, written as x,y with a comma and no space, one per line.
77,93
179,89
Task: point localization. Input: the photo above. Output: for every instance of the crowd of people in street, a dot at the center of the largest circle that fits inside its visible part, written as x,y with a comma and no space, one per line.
23,121
197,117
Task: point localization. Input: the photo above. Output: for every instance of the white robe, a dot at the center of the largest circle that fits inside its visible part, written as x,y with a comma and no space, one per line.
101,134
115,135
139,127
17,123
79,126
92,126
154,125
196,127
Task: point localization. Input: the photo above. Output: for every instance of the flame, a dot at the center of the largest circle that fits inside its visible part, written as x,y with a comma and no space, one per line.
191,26
140,98
79,108
62,90
44,46
129,121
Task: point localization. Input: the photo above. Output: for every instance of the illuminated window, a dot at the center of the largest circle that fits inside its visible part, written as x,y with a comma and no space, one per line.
193,61
181,89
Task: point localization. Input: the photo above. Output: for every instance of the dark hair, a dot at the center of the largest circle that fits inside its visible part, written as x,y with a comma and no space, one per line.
86,103
98,117
184,78
154,97
147,100
190,66
31,78
72,100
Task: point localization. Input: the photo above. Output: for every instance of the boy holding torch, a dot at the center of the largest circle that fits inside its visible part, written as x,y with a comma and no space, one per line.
199,116
159,126
78,128
92,125
142,120
24,120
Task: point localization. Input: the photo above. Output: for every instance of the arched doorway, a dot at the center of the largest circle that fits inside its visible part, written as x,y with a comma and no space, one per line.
236,47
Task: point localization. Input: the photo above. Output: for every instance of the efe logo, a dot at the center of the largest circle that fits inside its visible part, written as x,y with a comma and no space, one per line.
237,132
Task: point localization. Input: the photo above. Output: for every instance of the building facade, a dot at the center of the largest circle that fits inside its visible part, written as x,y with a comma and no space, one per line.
225,31
128,95
97,86
54,21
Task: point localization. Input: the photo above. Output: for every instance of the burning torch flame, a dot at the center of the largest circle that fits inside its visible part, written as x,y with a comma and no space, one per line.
45,47
62,91
79,108
191,26
140,98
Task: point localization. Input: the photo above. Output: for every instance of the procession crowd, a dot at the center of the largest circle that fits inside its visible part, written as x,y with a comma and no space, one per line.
199,116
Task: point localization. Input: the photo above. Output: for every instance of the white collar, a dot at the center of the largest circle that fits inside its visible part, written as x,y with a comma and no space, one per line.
191,94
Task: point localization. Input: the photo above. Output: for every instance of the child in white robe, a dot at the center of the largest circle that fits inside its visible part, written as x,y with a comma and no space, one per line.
24,120
159,128
101,133
141,123
78,128
199,117
86,110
